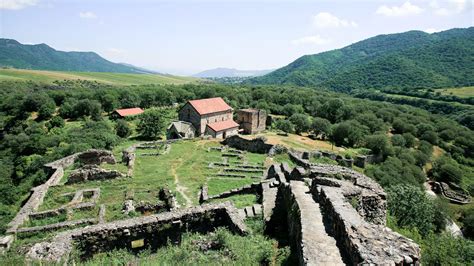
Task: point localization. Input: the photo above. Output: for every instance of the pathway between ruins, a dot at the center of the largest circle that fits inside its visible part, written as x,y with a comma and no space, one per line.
180,189
317,245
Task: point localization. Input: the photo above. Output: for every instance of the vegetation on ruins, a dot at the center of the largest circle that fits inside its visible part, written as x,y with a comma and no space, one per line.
66,117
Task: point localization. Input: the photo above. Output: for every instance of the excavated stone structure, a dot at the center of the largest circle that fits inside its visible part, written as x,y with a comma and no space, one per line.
338,219
153,231
56,169
92,172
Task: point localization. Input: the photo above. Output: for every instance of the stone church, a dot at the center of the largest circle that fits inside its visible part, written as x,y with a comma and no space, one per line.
212,116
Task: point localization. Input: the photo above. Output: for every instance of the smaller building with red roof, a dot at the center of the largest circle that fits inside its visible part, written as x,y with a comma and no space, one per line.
122,113
212,116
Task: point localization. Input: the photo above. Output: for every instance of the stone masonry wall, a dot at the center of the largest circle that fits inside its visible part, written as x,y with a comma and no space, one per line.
154,230
255,145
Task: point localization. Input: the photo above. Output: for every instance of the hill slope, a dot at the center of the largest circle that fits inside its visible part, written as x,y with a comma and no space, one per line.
230,72
413,59
43,57
102,77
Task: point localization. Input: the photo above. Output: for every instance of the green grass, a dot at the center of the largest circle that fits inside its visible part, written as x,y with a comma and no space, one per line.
240,201
187,161
254,249
460,92
102,77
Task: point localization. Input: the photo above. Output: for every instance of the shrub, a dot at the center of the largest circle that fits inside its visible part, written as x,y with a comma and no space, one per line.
122,129
411,208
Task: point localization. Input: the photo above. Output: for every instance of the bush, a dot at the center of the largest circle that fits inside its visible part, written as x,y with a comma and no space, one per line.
56,121
447,250
122,129
411,208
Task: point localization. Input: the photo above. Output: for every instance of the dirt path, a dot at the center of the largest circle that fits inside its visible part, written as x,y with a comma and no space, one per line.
180,189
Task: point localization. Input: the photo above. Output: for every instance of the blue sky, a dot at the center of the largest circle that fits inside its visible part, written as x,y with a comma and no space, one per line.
188,36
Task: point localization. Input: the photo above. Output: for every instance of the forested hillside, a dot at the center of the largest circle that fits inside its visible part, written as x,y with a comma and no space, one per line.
413,59
42,57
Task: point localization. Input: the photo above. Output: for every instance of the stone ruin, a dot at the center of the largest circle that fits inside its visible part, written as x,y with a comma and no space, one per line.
151,231
331,215
92,172
257,145
338,219
56,170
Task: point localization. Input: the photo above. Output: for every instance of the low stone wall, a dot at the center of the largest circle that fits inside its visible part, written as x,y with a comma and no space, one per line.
364,242
257,145
155,231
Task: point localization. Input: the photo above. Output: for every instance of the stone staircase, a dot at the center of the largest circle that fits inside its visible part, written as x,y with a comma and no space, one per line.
318,247
251,211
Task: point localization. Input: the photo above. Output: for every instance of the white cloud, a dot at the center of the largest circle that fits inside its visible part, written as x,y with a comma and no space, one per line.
87,15
328,20
16,4
431,30
405,9
315,39
450,7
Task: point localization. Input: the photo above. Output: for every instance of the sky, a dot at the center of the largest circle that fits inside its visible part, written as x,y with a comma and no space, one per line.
188,36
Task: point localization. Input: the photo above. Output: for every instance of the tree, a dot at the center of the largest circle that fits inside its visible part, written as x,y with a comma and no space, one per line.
46,110
430,136
321,127
301,122
56,121
348,133
122,129
468,221
398,140
411,208
334,110
285,126
447,170
151,124
410,140
379,144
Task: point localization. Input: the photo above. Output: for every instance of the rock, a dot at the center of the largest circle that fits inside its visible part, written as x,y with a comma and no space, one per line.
128,207
5,243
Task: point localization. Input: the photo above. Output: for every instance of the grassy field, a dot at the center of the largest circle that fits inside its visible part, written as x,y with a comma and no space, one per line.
183,170
103,77
460,92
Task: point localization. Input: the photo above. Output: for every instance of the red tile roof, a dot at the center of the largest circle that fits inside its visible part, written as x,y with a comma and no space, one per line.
129,111
223,125
209,106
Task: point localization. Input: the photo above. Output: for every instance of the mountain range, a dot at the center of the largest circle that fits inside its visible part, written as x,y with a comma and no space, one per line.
412,59
230,72
43,57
